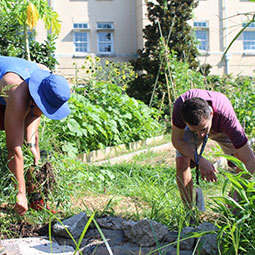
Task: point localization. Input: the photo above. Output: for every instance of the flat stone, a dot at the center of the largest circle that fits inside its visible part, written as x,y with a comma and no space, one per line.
34,246
170,237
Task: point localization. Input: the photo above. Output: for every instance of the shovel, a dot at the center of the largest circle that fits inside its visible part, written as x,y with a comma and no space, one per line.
200,202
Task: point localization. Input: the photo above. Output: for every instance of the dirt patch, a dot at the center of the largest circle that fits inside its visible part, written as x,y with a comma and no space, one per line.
40,182
167,158
23,229
119,205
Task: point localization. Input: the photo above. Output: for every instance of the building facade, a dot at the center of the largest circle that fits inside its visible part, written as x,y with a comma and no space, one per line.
112,29
216,24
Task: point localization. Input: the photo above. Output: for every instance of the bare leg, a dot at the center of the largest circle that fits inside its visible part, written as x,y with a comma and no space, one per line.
184,181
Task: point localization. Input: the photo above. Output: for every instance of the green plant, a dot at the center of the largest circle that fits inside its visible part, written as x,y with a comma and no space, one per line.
28,13
94,70
240,91
102,115
12,43
43,53
236,221
168,23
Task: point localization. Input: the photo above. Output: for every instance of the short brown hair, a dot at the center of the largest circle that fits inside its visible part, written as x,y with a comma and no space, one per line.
194,110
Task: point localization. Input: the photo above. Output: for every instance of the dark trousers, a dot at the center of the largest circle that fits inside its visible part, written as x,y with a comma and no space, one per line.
2,111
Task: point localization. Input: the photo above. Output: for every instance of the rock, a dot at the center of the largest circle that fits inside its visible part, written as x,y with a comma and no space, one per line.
126,249
187,244
74,225
133,249
170,237
69,242
209,241
114,223
113,237
144,232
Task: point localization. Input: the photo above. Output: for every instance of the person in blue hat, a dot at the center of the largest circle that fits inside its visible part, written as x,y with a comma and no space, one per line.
27,90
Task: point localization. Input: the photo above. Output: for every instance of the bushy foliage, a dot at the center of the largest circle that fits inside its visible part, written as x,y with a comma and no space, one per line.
168,24
180,79
241,92
12,43
102,115
11,38
43,53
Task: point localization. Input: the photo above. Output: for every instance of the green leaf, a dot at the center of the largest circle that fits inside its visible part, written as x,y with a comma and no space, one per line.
237,35
230,201
73,125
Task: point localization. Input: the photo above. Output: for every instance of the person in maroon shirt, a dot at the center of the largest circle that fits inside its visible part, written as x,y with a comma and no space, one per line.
203,113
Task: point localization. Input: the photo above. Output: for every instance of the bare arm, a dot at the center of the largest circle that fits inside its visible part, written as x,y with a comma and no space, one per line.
246,155
207,169
179,143
32,122
16,110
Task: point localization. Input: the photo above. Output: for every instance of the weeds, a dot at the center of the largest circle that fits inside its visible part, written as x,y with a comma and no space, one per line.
237,222
154,191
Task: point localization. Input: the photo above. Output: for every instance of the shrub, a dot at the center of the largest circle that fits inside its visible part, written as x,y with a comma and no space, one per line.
102,115
241,92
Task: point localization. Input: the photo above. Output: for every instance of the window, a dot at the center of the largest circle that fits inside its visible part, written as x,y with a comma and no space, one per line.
80,25
81,37
202,34
105,42
105,37
81,41
102,25
249,37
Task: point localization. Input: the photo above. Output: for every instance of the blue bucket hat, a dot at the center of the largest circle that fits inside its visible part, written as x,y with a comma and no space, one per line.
50,93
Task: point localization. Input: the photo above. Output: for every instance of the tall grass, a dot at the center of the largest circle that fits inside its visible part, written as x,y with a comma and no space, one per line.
236,210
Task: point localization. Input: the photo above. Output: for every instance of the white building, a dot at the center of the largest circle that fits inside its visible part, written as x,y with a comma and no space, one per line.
112,29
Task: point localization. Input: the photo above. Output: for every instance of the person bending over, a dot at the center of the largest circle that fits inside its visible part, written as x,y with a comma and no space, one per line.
198,113
27,90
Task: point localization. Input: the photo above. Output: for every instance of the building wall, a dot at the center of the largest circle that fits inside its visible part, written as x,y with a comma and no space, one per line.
224,24
122,13
129,17
141,22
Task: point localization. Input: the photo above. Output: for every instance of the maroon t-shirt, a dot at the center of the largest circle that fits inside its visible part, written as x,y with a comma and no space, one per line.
224,117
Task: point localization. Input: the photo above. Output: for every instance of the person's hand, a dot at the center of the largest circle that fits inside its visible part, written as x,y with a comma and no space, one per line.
207,170
21,206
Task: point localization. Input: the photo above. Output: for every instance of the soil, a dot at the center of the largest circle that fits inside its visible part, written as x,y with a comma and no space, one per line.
41,180
24,229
